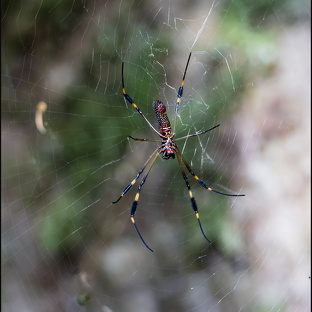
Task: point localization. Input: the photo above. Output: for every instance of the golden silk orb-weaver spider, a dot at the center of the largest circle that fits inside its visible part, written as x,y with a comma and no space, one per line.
168,148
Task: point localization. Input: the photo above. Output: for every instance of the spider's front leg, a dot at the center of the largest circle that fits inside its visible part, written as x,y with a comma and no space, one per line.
133,209
137,196
128,187
201,182
192,198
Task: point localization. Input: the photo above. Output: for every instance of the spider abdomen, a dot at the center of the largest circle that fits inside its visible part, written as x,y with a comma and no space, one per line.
162,118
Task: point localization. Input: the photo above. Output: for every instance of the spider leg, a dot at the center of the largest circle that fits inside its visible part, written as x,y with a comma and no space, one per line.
192,198
128,187
130,100
136,199
201,182
143,140
180,93
197,133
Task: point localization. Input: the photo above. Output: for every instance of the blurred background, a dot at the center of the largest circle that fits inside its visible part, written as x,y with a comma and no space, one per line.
66,156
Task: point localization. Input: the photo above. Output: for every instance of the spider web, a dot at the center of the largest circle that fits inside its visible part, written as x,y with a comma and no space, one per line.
66,156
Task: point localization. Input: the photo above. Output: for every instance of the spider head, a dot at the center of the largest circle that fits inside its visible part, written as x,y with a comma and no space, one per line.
168,148
168,155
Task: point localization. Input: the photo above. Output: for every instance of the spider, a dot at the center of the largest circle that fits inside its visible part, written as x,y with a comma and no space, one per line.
168,148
